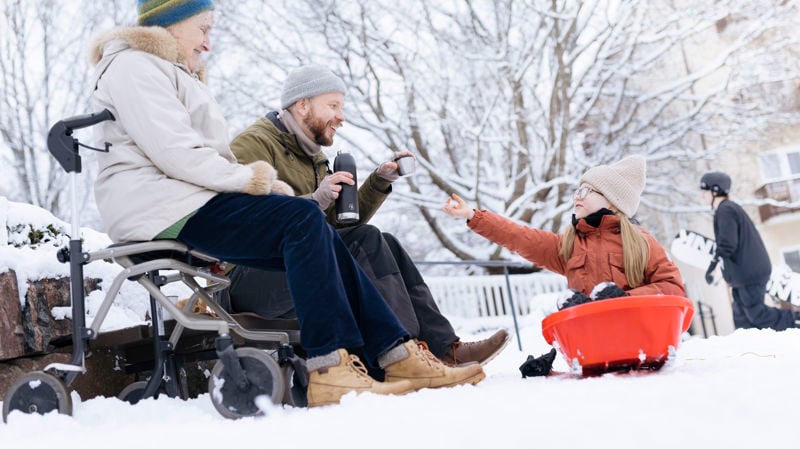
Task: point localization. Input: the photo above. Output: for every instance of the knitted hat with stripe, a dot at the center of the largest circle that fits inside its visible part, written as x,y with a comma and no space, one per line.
164,13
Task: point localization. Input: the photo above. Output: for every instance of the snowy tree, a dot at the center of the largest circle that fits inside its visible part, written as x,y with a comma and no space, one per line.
507,102
504,102
44,79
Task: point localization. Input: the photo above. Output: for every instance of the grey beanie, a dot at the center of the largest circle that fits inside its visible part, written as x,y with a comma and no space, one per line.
307,82
621,183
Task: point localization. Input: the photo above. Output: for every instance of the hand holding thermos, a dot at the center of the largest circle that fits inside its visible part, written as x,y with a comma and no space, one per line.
342,185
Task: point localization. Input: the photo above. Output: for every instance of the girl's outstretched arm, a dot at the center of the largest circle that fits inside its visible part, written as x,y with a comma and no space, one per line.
459,208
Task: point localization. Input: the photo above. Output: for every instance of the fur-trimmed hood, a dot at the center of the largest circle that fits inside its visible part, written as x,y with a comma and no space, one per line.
154,40
170,140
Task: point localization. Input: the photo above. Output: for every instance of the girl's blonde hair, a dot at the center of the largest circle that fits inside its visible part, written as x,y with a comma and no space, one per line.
635,249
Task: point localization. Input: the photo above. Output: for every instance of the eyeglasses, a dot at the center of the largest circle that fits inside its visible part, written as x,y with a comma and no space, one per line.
584,191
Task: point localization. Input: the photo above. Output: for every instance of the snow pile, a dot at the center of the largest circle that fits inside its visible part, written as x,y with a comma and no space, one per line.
33,236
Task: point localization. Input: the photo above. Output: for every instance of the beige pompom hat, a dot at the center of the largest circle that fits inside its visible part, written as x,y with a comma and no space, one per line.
621,183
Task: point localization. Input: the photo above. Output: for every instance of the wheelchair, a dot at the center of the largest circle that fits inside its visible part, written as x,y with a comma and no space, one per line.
252,362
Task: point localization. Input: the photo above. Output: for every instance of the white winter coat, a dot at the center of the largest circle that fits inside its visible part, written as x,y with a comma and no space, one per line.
169,153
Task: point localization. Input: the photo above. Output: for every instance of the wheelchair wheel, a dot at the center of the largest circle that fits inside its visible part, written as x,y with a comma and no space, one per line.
265,379
37,392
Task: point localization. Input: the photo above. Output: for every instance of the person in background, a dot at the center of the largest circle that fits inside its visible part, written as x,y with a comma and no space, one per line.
745,262
604,253
171,174
291,140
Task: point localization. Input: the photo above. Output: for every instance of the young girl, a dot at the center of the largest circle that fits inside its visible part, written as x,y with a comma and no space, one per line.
602,245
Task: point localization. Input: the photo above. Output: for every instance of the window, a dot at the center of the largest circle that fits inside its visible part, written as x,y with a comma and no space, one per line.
770,166
794,162
780,164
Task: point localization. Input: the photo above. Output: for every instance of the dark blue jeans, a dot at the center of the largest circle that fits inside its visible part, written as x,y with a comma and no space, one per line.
383,260
336,304
750,311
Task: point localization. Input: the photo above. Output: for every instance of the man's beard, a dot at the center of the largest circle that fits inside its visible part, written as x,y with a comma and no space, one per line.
317,128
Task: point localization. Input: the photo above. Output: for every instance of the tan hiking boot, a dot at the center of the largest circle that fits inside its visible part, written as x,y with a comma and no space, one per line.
482,351
424,370
327,385
199,307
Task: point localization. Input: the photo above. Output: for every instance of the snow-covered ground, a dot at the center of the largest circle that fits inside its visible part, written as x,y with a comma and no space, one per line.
737,391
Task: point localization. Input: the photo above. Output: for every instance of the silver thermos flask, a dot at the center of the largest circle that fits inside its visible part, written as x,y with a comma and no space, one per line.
347,202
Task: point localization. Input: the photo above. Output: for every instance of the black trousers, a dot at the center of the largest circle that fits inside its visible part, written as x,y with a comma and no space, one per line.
750,311
385,263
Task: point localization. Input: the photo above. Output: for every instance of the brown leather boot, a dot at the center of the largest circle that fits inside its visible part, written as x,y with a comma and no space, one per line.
424,370
482,351
327,385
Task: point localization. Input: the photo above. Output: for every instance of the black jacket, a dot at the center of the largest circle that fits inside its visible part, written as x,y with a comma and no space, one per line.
744,257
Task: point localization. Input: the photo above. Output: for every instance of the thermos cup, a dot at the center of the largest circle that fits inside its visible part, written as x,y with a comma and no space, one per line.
405,165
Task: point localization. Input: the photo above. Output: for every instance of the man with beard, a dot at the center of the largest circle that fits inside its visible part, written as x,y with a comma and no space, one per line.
312,103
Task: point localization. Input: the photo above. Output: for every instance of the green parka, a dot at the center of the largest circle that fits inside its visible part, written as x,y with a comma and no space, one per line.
268,140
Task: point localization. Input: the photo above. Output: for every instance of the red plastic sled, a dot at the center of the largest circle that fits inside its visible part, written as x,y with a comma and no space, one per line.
633,332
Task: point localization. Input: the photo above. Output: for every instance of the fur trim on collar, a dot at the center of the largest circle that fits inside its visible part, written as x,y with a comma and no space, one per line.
154,40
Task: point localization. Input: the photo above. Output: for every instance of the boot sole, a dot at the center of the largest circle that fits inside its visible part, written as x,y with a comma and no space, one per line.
400,393
409,389
472,380
469,380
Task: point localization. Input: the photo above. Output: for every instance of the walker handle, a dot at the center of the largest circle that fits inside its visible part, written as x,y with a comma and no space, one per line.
64,147
82,121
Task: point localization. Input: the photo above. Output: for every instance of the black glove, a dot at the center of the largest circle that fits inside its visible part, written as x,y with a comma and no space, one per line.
606,290
540,366
576,299
711,267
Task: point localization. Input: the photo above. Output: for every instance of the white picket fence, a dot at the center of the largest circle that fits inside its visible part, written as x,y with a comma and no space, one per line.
478,296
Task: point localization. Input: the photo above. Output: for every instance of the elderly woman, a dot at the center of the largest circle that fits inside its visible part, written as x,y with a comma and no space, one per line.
171,174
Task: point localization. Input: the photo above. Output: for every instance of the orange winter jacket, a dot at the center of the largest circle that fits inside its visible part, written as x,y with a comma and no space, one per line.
596,256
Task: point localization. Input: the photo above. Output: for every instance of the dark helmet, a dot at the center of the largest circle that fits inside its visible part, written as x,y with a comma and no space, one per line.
717,182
